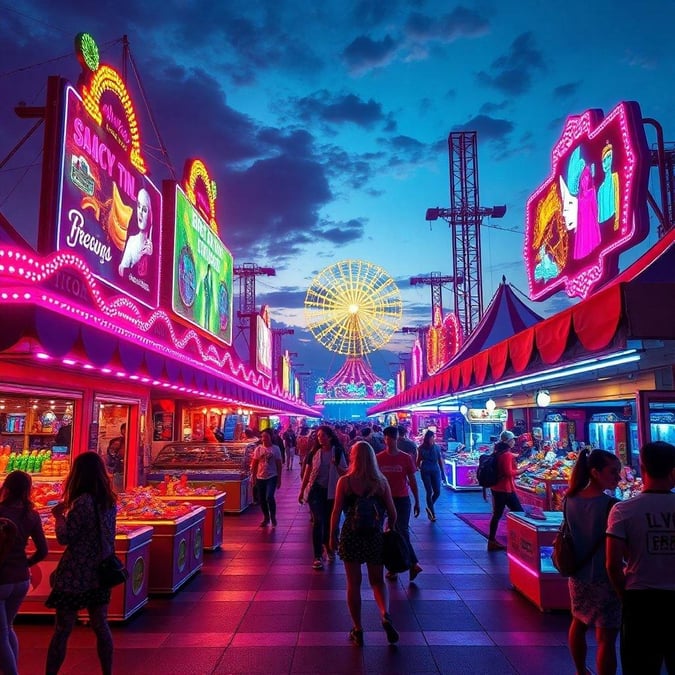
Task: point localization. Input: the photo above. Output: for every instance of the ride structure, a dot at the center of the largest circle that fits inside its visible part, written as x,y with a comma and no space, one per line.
352,308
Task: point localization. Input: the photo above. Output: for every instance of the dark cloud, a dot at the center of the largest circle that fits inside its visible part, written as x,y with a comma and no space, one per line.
459,23
566,90
364,53
512,73
488,128
339,109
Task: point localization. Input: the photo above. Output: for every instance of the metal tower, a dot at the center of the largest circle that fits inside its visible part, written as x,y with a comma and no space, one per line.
464,217
247,272
436,281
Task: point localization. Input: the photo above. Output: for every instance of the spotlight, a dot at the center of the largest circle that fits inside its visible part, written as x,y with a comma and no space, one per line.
490,405
543,398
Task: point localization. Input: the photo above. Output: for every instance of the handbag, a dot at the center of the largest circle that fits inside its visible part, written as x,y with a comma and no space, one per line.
111,570
564,557
395,552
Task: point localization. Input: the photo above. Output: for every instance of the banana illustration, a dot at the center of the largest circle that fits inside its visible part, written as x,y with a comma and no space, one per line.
113,215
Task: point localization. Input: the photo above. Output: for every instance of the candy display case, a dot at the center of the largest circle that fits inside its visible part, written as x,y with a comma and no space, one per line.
223,466
460,470
545,480
210,498
176,548
529,547
132,546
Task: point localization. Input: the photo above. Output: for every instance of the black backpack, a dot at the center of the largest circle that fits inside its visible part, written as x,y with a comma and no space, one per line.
487,473
366,514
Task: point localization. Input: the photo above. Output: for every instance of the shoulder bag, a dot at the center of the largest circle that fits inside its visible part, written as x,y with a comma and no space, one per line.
111,570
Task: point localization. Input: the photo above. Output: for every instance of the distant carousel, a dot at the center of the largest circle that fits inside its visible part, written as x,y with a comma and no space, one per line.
352,308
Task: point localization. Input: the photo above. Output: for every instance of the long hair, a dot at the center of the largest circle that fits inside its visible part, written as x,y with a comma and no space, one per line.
587,461
88,476
427,442
334,440
363,465
16,489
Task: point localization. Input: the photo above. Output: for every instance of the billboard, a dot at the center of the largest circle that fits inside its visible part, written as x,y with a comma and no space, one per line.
592,206
263,342
202,272
108,212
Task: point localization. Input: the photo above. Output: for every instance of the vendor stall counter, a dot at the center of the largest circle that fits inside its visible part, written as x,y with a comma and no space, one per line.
176,549
461,473
530,543
544,493
224,466
132,545
213,522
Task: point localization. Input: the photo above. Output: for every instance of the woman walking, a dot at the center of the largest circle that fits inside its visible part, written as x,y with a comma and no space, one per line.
430,464
362,479
325,463
593,600
16,507
85,525
266,476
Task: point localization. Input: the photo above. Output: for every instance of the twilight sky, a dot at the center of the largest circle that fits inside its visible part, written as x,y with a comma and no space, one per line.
325,124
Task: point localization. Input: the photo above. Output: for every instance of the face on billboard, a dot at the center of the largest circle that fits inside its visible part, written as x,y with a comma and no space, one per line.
592,206
108,213
202,273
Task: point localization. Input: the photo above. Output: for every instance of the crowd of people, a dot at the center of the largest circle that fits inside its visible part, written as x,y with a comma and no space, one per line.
627,548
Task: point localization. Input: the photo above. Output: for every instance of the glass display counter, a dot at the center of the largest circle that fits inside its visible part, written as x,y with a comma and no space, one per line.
224,466
132,545
545,493
461,473
176,549
529,547
213,520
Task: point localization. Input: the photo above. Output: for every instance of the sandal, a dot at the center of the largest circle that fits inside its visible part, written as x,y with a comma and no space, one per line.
356,636
392,633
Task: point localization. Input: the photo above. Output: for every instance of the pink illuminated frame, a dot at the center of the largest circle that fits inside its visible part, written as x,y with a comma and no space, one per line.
599,166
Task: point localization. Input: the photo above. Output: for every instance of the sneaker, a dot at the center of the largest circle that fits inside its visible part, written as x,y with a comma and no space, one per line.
274,522
264,523
392,576
392,633
430,514
317,564
356,636
330,556
494,545
414,571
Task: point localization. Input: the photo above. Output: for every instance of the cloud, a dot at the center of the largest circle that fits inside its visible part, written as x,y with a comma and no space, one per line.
512,72
488,128
364,53
566,90
339,109
459,23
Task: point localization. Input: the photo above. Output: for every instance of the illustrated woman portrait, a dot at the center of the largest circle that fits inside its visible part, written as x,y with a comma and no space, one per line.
139,244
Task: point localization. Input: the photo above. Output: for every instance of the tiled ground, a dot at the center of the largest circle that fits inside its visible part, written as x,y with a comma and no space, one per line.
257,606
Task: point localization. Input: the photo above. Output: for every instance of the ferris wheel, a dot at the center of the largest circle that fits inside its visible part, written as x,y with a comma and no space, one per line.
352,307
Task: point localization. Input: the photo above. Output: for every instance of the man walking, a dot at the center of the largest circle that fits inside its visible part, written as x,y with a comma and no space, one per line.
399,469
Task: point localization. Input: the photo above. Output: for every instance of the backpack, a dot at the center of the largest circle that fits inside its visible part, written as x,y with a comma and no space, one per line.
8,535
366,515
487,473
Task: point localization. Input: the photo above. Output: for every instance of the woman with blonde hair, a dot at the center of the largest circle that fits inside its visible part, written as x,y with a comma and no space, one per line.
363,480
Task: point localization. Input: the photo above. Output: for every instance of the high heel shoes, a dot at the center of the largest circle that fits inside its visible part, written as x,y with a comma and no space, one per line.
356,636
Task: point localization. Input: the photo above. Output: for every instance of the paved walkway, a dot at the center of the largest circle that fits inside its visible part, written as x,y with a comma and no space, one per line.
257,606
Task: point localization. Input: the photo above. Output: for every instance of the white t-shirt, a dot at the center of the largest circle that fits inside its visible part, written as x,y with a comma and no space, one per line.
267,461
646,523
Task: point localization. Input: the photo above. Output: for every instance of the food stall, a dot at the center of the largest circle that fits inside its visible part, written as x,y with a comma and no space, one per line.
529,548
224,466
177,546
461,466
132,546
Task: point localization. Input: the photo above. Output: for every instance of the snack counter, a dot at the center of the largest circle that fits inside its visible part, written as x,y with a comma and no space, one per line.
223,466
529,547
461,473
132,545
176,549
544,493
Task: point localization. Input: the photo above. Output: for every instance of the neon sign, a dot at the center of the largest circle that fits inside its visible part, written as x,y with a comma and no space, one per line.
201,191
108,211
592,206
263,342
443,340
202,272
